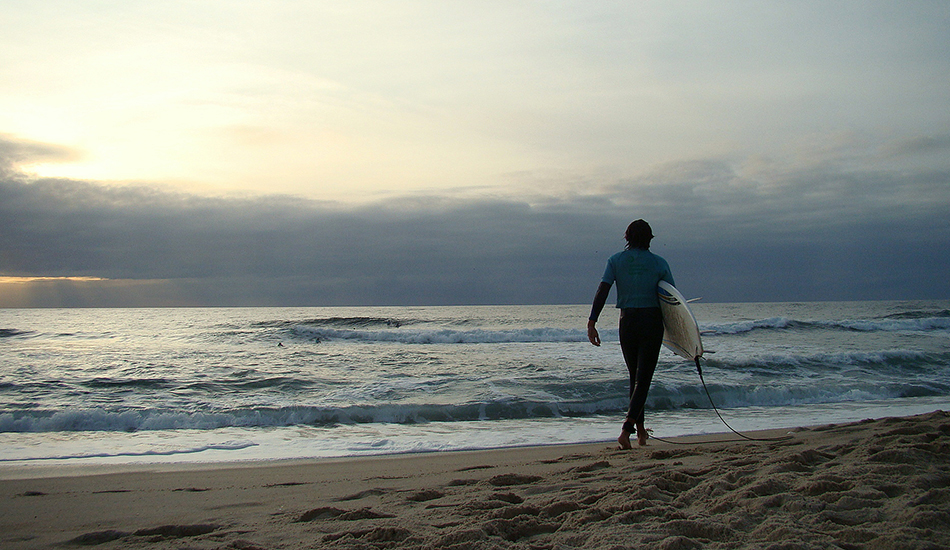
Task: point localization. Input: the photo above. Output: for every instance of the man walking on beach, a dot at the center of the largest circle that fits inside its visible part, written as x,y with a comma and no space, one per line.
637,271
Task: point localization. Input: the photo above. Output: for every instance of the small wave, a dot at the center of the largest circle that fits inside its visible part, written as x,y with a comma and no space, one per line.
12,332
149,420
920,324
887,360
739,327
142,383
919,314
779,395
345,322
909,324
224,446
284,383
445,336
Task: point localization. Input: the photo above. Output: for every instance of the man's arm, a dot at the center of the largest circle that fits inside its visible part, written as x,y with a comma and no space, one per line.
600,299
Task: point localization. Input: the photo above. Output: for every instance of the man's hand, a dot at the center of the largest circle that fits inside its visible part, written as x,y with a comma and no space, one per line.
592,333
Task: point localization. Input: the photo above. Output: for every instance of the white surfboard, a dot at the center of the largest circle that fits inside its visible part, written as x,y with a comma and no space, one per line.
680,330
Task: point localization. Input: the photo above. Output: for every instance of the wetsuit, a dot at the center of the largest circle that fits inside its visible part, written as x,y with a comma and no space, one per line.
636,272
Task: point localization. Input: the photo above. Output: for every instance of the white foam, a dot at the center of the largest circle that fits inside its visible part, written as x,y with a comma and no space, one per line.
299,442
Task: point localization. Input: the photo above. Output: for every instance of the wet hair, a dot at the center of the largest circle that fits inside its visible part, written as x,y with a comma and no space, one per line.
638,235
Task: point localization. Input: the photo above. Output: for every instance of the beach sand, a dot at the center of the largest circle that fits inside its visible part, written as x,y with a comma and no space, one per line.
870,485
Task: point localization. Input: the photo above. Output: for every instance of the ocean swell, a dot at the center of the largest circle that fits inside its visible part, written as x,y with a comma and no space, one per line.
443,336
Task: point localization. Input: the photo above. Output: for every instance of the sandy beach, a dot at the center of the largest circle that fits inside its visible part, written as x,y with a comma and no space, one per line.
870,485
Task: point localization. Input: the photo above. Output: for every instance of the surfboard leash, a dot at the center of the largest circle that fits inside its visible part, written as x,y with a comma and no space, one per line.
699,369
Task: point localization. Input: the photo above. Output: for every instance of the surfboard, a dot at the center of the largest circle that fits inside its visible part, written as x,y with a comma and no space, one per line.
680,330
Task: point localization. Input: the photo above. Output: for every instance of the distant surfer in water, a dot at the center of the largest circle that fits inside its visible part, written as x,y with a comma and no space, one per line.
636,271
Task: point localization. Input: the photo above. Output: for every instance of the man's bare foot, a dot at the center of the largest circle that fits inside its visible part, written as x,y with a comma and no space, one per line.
624,441
642,436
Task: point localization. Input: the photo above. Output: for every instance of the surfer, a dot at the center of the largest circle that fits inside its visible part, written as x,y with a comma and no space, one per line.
636,271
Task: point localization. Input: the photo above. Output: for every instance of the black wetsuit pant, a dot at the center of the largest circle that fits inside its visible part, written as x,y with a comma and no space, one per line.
641,335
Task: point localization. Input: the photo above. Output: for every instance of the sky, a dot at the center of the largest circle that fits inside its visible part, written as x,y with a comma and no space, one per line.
310,153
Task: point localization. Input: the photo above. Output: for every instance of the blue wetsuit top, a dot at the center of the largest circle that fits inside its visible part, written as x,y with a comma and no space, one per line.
637,272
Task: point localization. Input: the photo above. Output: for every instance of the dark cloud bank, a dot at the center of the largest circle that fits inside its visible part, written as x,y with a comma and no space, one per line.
821,233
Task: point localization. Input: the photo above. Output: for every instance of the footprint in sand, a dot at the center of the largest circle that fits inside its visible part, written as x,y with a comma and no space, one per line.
424,496
153,534
342,515
506,480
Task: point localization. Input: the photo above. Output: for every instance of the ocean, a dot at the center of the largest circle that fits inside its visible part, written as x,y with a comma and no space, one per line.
118,386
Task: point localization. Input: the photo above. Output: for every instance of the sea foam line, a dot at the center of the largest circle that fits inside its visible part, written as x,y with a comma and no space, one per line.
224,446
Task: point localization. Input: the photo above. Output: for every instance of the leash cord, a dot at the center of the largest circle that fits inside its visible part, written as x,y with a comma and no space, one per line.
699,369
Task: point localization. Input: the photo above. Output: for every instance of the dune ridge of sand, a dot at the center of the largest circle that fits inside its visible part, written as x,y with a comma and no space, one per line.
876,484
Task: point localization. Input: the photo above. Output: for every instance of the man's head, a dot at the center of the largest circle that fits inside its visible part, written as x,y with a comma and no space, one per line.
639,235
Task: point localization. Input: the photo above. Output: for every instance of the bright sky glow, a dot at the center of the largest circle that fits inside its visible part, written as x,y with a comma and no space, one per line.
349,100
24,280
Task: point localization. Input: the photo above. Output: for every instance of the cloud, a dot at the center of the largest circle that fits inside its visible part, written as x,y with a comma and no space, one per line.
920,145
733,229
15,153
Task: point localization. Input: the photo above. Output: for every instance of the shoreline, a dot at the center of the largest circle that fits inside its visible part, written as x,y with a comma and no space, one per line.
22,470
871,484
